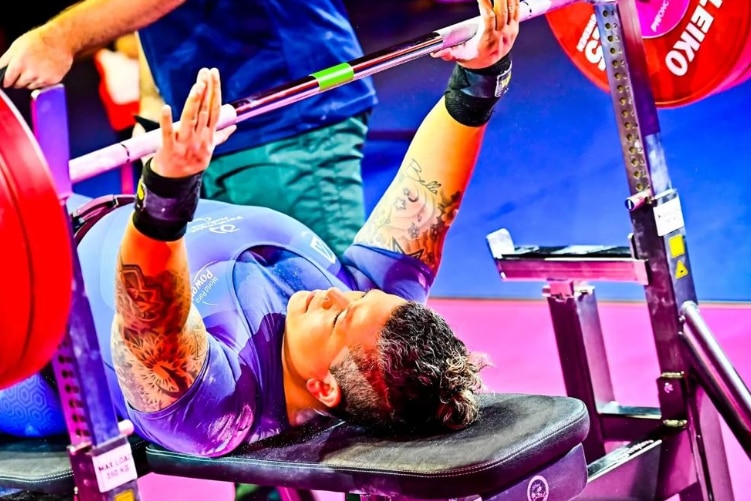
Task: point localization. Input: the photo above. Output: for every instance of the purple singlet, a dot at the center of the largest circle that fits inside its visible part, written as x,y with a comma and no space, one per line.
245,264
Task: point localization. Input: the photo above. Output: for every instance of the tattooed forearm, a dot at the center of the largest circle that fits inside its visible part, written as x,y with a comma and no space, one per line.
413,216
158,342
414,171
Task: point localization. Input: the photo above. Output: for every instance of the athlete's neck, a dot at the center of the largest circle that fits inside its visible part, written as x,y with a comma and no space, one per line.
301,405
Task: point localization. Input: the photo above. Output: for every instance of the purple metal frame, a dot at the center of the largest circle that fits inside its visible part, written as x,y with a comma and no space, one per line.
677,448
101,456
717,376
659,237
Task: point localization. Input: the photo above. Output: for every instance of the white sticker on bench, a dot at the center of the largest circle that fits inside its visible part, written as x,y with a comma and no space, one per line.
114,468
538,489
668,217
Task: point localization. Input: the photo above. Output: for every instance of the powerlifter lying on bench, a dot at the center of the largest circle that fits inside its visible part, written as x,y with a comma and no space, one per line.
235,324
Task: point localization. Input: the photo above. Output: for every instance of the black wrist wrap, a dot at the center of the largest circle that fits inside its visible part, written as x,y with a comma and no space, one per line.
472,94
164,206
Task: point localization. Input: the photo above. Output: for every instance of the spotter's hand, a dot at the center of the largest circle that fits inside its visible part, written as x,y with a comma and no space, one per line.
36,59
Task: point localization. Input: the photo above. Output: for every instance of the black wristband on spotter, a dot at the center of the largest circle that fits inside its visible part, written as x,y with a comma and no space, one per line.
471,95
164,206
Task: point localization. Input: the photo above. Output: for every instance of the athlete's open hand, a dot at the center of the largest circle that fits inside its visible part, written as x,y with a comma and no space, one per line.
494,39
187,146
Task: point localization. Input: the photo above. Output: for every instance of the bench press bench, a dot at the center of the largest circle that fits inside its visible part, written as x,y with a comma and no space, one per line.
524,447
42,465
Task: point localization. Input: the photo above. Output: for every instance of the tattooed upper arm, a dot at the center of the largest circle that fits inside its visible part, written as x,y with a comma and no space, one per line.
412,217
159,341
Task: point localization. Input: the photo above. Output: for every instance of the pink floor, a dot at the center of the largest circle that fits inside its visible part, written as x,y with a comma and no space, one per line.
517,336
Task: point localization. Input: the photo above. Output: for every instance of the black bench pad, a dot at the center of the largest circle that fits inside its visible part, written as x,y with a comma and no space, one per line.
516,436
43,465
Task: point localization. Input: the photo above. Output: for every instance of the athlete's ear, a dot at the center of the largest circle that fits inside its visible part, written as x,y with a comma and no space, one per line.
326,391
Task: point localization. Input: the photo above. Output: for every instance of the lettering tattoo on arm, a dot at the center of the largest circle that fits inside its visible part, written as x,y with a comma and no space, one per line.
159,342
413,216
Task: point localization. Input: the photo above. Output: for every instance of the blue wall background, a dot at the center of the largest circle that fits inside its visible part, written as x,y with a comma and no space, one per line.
551,169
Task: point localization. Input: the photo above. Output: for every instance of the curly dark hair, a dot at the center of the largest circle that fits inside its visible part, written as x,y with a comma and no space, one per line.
419,378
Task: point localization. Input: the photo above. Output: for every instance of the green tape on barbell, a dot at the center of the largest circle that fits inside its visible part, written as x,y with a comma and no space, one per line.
333,76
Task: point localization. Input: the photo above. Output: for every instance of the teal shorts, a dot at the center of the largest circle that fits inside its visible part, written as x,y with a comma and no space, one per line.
314,177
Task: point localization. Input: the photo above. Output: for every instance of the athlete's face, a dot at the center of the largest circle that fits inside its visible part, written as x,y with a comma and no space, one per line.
322,325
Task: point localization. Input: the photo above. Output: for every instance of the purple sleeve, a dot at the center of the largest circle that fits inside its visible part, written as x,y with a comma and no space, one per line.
389,271
214,416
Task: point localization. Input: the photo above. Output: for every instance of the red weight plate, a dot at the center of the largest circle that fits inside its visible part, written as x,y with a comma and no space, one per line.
743,72
34,225
693,47
15,295
742,78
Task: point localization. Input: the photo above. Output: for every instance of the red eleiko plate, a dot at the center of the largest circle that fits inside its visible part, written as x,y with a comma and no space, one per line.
694,48
37,254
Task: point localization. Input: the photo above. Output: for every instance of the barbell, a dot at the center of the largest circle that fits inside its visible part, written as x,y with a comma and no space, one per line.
698,48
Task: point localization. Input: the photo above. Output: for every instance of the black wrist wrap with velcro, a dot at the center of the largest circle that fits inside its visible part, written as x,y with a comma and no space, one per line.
164,206
471,95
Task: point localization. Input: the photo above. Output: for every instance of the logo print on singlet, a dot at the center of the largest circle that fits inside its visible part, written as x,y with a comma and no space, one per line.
203,281
319,246
220,226
223,228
